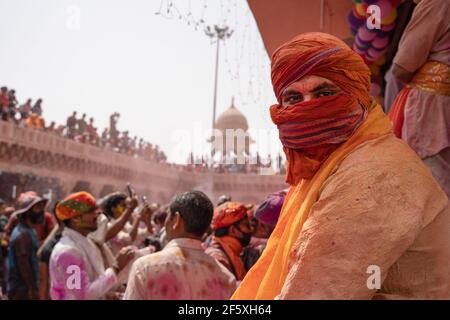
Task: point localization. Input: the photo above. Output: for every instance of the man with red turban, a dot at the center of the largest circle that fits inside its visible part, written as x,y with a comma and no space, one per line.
363,218
77,267
231,234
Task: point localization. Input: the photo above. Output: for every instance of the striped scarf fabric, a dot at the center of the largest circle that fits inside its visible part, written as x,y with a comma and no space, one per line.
310,131
327,120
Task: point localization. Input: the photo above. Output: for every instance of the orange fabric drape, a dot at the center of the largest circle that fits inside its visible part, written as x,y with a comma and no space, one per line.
233,248
266,278
397,111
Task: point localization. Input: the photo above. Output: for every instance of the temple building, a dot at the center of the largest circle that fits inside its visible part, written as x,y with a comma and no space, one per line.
231,137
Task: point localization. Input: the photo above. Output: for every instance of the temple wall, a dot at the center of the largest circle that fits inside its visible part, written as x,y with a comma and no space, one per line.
79,166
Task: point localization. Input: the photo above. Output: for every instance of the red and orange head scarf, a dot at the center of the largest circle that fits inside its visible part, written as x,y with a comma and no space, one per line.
310,131
75,205
227,214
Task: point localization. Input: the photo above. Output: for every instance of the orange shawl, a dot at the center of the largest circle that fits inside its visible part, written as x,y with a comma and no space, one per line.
233,248
266,278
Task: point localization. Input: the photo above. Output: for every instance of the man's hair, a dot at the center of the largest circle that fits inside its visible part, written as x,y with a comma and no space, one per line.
2,202
112,200
153,241
196,210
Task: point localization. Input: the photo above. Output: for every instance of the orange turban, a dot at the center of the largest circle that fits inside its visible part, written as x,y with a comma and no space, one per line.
311,130
322,55
75,205
227,214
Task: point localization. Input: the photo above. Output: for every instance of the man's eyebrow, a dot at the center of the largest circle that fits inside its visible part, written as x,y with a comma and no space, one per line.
324,85
289,92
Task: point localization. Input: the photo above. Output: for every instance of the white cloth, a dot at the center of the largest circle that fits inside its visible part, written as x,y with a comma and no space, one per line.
77,269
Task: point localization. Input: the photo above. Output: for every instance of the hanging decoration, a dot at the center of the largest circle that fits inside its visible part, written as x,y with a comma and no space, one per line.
372,44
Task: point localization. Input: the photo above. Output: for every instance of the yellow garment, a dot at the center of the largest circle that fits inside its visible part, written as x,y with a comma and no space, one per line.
434,77
266,278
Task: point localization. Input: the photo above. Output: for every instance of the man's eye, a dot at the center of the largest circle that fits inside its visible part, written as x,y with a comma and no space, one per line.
326,94
293,99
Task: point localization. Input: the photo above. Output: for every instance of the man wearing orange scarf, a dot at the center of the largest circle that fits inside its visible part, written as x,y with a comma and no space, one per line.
231,233
363,218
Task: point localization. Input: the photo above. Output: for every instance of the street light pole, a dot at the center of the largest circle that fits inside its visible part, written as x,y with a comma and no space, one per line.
216,76
218,33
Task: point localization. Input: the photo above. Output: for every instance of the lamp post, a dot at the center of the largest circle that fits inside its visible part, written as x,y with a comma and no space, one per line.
217,33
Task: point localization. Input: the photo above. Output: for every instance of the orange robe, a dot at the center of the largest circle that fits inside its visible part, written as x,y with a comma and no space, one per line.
371,204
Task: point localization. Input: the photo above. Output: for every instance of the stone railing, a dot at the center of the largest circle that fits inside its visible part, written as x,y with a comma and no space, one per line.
24,150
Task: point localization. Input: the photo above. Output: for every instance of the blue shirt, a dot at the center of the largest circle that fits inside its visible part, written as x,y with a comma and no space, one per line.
23,241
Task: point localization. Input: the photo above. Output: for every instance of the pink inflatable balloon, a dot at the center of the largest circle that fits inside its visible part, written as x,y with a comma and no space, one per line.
365,34
375,53
385,7
380,43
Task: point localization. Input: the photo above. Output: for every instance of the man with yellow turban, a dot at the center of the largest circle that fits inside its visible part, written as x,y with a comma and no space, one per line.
363,218
77,267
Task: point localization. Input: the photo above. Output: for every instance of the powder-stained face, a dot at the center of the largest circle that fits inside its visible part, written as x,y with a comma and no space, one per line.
88,220
308,88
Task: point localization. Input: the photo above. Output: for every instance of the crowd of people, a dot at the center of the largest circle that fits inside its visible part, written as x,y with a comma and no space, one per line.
81,129
123,248
247,164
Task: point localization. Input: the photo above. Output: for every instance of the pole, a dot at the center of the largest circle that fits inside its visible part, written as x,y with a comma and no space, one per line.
215,83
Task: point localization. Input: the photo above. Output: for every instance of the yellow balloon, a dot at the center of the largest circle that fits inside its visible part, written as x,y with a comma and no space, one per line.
360,9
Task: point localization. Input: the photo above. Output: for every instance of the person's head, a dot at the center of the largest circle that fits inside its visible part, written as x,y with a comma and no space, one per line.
39,101
231,219
78,211
322,88
28,101
83,116
4,89
189,215
159,219
74,113
315,59
269,210
91,120
32,208
113,205
154,242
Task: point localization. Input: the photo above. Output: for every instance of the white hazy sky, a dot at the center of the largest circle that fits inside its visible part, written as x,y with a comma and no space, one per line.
155,70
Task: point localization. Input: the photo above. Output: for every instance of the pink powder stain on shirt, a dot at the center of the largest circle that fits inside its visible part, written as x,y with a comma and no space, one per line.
215,289
165,286
59,270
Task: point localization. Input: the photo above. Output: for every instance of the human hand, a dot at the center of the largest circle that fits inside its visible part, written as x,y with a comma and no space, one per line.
124,256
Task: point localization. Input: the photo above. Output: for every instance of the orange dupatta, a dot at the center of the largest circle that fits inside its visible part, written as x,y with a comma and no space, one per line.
232,248
266,278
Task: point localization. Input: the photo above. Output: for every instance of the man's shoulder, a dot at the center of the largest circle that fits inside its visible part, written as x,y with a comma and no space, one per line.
387,153
386,172
65,246
152,260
